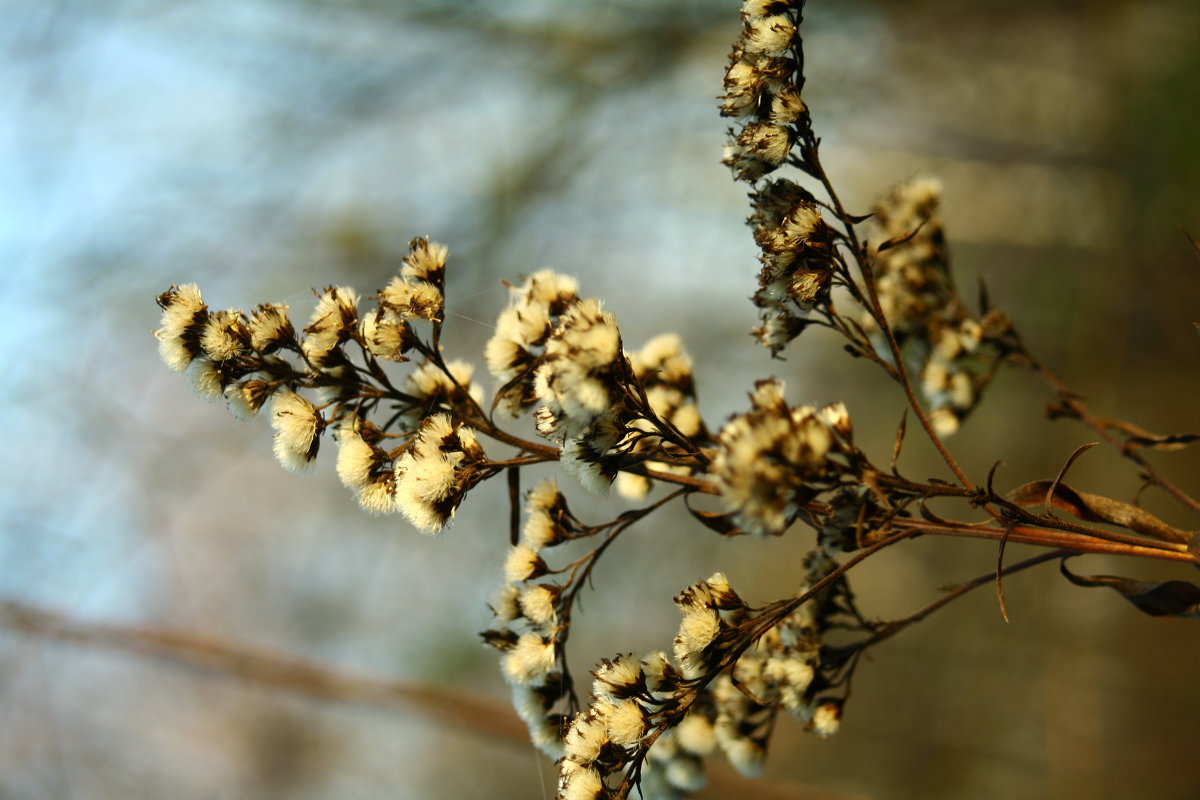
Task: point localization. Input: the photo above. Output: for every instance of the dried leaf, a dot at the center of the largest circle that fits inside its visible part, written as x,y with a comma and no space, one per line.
899,440
1097,508
715,521
1158,599
899,240
1141,437
1172,441
985,301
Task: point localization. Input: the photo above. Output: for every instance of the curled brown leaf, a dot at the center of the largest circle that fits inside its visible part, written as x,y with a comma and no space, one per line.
1158,599
1097,508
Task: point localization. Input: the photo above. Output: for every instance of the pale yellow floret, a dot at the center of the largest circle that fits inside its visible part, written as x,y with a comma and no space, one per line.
745,755
697,630
506,603
685,774
622,673
296,424
786,107
425,261
772,34
268,325
539,531
184,303
529,659
544,731
336,313
205,379
631,486
379,496
626,721
826,719
521,563
944,421
241,400
543,496
386,334
355,460
537,605
962,391
587,734
579,784
695,735
224,335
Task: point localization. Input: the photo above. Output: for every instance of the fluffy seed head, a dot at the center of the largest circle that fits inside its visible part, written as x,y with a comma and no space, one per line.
298,428
182,325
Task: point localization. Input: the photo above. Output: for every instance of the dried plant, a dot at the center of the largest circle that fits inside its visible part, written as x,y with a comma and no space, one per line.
410,428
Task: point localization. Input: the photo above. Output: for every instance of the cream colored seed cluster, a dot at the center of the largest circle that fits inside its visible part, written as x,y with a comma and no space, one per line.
783,667
760,90
418,291
797,262
579,385
426,481
432,386
957,354
527,615
601,740
333,321
522,329
665,372
563,354
772,458
243,359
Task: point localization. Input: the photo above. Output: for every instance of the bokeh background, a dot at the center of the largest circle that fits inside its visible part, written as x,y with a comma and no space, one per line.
266,147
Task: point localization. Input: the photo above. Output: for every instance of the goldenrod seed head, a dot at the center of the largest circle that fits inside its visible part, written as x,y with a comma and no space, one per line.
297,430
826,719
522,564
529,659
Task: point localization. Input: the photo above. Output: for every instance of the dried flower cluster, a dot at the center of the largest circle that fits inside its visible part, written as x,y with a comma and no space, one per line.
774,459
411,427
422,470
954,354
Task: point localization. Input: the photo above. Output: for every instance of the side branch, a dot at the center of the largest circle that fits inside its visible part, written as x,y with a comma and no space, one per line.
1066,540
1075,407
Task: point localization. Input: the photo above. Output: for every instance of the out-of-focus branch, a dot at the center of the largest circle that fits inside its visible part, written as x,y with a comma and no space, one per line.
289,673
458,710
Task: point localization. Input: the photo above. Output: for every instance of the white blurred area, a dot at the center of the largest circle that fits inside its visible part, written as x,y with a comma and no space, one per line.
264,148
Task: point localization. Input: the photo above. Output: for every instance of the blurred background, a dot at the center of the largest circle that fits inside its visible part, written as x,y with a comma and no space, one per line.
266,147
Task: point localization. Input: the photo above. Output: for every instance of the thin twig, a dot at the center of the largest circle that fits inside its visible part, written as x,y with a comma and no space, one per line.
890,629
1071,401
876,309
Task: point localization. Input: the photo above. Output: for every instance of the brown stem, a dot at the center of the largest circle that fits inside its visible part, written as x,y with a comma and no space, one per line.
699,484
1077,542
890,629
876,309
763,623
